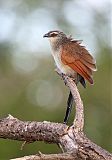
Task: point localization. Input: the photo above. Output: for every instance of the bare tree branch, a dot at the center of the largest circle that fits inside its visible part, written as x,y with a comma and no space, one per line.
63,156
15,129
79,117
72,139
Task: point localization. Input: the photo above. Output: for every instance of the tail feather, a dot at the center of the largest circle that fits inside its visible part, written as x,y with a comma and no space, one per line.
82,81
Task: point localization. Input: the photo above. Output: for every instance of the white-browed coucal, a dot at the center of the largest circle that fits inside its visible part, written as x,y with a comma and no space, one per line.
71,59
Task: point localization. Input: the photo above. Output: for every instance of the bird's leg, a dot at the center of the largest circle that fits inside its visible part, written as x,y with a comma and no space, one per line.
61,74
69,107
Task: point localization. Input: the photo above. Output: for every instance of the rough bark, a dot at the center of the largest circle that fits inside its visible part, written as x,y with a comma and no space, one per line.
40,156
72,140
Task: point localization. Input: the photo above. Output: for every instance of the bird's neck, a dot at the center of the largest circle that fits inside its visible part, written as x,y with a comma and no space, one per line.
57,43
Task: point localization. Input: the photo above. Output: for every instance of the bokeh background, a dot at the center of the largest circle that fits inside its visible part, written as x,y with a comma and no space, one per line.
29,87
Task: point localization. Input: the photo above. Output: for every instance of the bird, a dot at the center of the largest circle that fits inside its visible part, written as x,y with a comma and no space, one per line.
73,60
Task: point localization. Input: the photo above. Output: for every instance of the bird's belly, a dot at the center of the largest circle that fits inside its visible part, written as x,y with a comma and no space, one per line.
65,69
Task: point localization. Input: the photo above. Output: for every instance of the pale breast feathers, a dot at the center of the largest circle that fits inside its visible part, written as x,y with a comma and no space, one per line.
63,67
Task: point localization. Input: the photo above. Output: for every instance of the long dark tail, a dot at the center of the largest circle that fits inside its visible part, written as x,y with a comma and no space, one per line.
69,107
70,99
82,81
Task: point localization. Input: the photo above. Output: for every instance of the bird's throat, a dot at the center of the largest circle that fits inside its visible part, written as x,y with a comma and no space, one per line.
55,44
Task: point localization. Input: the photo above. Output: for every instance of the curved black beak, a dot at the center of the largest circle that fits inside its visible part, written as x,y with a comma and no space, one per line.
46,35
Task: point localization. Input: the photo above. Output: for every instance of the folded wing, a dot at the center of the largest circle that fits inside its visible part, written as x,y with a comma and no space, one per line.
78,58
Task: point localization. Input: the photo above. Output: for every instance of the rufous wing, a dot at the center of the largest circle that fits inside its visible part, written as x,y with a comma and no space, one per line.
79,59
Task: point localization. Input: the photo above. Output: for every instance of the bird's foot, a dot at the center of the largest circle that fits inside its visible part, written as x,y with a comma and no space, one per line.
58,71
64,76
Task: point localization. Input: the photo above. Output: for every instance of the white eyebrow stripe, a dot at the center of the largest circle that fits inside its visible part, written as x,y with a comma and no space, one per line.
54,33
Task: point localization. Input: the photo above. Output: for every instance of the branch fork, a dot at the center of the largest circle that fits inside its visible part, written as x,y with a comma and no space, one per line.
72,140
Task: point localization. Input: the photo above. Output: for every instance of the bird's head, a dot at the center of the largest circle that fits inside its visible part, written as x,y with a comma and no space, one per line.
55,35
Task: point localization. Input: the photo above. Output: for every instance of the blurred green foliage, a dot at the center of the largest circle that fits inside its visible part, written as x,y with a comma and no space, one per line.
41,94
